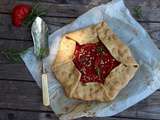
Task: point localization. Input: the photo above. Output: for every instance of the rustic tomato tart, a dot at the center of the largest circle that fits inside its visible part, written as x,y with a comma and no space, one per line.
93,64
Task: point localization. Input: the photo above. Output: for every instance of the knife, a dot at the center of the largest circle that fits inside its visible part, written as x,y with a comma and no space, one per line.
39,32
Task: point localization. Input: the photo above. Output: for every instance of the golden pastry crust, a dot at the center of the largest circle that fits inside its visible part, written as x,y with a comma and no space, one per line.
81,37
69,76
65,52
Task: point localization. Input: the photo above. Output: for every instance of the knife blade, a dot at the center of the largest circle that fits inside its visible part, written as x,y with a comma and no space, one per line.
39,31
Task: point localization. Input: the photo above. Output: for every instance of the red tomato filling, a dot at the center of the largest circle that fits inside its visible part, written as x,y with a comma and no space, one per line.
94,61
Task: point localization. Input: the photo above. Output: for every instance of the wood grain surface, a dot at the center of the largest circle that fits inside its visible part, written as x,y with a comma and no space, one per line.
20,97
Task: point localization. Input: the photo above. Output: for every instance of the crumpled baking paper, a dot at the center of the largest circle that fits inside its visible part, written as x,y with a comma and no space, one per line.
145,82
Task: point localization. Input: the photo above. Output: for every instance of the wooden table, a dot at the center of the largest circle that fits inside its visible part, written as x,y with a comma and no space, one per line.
20,97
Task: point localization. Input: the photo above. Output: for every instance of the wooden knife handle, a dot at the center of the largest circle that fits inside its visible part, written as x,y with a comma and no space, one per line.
45,92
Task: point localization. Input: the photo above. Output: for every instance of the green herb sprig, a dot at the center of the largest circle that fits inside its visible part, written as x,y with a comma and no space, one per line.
12,55
34,13
97,70
137,11
99,49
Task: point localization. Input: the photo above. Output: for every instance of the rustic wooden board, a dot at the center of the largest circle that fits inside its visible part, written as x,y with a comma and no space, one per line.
65,10
28,115
9,32
15,72
150,9
20,97
154,30
26,96
18,46
82,2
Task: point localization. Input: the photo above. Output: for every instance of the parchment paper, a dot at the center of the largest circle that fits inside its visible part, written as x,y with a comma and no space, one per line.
145,82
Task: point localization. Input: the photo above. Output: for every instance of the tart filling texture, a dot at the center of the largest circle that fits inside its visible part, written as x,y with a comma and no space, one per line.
94,61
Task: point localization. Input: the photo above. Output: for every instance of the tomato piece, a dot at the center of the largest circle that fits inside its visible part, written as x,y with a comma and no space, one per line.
19,14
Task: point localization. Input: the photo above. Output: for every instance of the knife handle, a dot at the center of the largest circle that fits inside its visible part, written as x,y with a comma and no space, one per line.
45,92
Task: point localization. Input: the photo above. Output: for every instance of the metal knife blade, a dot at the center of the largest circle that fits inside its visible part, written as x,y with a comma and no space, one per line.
39,31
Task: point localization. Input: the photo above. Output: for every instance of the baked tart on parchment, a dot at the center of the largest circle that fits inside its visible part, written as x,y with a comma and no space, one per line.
93,64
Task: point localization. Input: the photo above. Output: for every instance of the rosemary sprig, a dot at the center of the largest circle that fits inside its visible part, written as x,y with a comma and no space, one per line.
12,55
137,11
34,13
97,70
99,49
